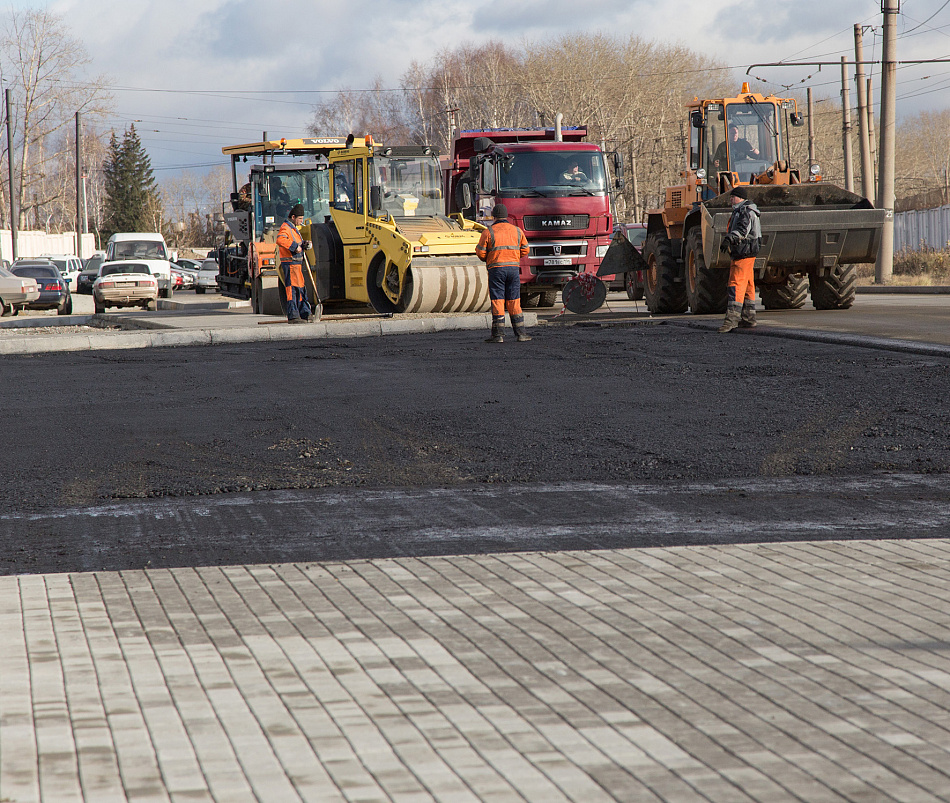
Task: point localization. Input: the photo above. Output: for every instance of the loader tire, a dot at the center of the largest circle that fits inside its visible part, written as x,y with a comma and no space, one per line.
835,288
706,288
790,294
664,294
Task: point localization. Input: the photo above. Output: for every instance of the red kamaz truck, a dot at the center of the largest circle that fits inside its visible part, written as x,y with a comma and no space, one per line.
556,188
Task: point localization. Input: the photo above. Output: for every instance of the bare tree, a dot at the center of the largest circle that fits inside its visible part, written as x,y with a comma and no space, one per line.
43,64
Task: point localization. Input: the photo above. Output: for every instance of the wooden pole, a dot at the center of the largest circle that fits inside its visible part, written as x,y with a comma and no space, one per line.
811,135
13,213
846,128
884,267
867,165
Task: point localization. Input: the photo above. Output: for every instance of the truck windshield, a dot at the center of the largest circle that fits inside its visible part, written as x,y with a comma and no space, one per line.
139,249
523,174
275,193
409,185
746,141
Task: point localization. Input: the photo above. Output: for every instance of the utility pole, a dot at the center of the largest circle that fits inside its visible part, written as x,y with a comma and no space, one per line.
13,212
846,127
884,267
78,190
872,138
867,166
811,135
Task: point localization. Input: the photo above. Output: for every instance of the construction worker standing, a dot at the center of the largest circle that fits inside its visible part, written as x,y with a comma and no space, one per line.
501,247
292,247
742,243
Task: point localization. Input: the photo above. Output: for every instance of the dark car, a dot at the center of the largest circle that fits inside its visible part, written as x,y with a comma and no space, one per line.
54,289
89,273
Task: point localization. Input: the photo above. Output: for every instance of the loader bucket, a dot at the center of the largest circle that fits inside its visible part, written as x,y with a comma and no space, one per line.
621,257
805,227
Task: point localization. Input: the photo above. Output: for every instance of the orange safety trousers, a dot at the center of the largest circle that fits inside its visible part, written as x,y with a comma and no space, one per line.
499,305
742,280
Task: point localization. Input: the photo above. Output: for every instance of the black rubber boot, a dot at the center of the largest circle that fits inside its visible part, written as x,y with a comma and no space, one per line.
497,327
517,323
747,317
733,311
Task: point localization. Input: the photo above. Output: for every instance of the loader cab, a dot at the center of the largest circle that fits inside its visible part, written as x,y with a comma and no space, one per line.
741,137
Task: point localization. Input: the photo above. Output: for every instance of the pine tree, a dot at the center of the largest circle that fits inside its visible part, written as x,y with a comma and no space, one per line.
130,187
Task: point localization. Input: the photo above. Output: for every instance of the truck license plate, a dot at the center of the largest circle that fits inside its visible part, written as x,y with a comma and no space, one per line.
557,261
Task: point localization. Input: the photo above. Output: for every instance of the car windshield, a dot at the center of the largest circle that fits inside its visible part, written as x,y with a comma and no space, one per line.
637,236
35,271
111,270
546,172
139,249
92,264
210,264
410,186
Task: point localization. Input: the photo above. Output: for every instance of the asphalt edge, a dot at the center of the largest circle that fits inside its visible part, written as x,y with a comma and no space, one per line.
830,338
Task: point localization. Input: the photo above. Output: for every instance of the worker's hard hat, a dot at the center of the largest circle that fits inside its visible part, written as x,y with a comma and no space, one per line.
499,212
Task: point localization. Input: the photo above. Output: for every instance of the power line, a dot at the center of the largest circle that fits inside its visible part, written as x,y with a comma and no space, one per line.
947,3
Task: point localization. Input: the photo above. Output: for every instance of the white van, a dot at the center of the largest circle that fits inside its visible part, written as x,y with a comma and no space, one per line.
148,248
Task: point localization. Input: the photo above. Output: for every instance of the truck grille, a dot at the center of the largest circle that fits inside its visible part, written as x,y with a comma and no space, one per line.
555,222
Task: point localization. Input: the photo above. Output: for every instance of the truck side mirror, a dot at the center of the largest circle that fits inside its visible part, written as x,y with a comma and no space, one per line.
618,164
797,119
463,195
697,120
481,144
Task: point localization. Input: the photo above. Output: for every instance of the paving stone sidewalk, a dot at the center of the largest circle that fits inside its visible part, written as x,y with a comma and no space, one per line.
791,672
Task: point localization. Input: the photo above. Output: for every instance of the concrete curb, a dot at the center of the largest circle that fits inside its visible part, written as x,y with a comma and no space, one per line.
909,290
210,336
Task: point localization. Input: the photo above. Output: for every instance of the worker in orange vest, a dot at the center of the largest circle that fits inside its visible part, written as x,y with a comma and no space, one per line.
292,247
501,247
742,242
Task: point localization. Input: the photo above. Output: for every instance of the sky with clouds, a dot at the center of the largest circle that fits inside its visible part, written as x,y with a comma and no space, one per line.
198,75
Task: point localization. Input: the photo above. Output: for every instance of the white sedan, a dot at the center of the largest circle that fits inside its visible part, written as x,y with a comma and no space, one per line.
207,276
124,284
15,291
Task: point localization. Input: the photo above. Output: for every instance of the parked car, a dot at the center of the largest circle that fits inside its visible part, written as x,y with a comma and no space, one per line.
89,273
15,291
145,247
69,267
207,278
54,289
124,284
178,280
188,264
187,278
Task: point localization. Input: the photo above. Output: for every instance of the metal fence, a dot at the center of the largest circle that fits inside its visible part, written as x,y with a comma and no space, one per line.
922,229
